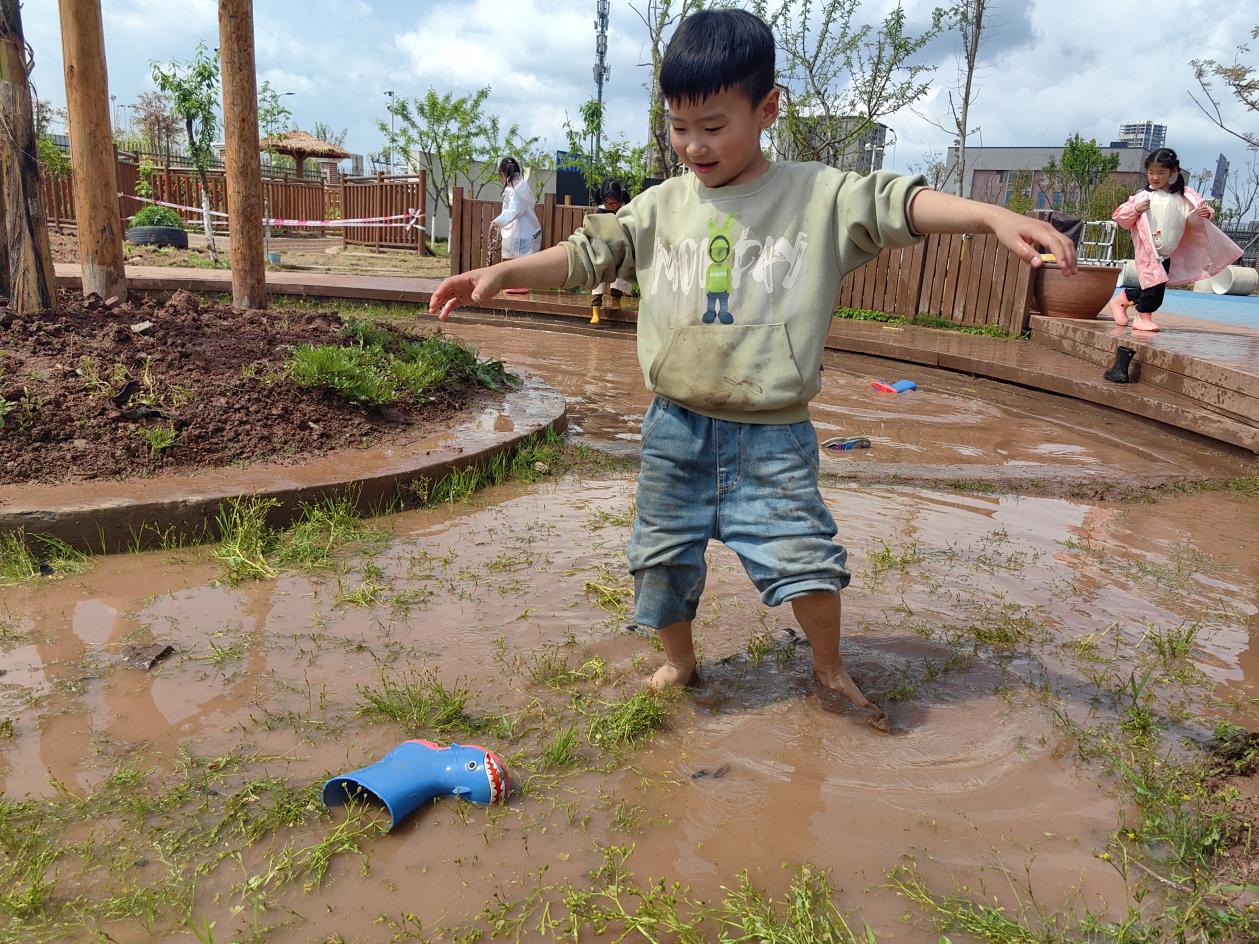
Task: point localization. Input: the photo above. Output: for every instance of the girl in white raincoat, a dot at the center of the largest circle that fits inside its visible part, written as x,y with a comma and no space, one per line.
517,225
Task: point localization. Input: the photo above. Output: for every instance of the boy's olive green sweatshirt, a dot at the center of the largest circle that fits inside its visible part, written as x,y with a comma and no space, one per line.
739,283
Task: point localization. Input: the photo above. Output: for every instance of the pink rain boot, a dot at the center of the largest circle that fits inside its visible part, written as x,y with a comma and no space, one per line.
1118,309
1144,323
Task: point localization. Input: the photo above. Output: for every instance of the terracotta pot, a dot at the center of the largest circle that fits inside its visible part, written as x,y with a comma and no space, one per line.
1082,296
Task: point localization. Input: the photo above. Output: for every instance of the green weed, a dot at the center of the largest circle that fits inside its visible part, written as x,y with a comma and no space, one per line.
26,557
561,751
624,723
923,321
244,538
420,703
158,438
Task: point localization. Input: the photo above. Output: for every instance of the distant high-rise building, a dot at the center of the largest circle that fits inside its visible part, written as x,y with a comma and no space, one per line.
1147,135
1220,179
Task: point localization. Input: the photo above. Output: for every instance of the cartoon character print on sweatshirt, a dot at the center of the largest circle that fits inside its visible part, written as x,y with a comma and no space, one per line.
731,262
720,275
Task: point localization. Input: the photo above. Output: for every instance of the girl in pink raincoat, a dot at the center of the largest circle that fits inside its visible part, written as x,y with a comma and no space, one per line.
1174,238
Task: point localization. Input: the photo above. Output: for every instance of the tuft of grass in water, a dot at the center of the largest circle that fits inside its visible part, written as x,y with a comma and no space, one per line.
615,905
982,921
250,549
320,529
891,558
561,751
808,914
420,703
368,593
624,723
245,539
611,593
533,459
924,321
26,557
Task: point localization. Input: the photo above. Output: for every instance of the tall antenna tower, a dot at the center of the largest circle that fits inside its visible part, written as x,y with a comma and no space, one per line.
602,70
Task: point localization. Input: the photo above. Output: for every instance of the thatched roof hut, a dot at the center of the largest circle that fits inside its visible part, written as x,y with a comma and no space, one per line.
300,145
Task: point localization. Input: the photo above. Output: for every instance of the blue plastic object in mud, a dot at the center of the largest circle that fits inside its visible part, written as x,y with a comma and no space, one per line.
843,443
899,387
417,771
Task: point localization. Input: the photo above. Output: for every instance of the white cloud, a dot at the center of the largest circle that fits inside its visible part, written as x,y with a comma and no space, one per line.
1054,67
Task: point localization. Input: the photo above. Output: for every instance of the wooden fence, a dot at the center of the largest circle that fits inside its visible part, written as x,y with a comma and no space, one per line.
383,196
968,280
289,199
470,227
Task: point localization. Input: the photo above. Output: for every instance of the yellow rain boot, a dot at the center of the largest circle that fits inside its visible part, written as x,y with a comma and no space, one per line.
614,301
594,315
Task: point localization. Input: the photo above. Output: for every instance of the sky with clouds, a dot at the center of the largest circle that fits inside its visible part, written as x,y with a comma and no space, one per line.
1049,68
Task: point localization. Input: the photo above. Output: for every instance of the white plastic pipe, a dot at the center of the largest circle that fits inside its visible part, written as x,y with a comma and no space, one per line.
1236,280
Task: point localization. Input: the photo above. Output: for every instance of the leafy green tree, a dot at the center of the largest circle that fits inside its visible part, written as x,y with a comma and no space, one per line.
1020,190
439,134
1083,167
154,118
660,17
194,90
493,143
324,132
273,120
619,159
839,76
53,161
1242,81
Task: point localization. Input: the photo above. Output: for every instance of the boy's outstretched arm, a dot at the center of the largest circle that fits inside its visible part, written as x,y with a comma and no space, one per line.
545,269
934,212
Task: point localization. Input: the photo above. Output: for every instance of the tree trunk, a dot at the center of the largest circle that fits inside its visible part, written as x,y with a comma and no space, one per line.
205,192
244,162
970,36
4,250
92,149
27,258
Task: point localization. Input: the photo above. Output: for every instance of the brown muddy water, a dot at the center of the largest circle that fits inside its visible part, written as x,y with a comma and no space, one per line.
953,423
973,618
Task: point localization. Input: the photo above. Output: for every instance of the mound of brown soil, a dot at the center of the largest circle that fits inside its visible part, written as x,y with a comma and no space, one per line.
106,390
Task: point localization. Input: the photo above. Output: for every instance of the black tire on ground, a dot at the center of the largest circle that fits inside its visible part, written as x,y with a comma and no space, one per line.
158,236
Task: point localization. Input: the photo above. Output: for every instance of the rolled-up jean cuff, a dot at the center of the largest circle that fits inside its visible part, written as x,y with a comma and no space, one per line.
786,594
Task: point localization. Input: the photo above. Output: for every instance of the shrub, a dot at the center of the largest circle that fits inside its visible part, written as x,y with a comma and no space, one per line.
157,216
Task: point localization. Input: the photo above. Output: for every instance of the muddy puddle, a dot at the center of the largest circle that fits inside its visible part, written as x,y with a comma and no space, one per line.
952,422
181,796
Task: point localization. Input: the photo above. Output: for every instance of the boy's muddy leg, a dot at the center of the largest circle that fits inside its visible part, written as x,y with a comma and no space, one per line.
819,617
679,654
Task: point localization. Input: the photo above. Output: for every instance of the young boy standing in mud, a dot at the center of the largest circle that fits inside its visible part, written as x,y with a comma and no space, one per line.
739,263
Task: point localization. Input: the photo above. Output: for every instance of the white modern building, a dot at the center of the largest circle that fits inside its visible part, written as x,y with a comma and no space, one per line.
1145,135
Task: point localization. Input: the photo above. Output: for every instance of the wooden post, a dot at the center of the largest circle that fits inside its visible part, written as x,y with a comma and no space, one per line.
454,246
92,149
242,154
28,277
345,230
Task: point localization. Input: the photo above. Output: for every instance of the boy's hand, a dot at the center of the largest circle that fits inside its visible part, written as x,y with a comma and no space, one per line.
464,289
1022,234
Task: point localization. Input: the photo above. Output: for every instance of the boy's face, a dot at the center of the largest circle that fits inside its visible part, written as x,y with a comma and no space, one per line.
719,138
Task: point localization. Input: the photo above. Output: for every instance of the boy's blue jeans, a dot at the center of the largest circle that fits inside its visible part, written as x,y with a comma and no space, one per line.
751,486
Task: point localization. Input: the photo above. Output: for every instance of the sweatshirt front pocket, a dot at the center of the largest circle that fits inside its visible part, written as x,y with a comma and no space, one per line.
728,367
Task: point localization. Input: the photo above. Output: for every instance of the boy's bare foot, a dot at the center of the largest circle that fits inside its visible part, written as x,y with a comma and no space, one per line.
836,678
672,676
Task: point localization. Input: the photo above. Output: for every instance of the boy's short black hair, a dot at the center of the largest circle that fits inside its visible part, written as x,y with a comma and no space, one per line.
715,50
